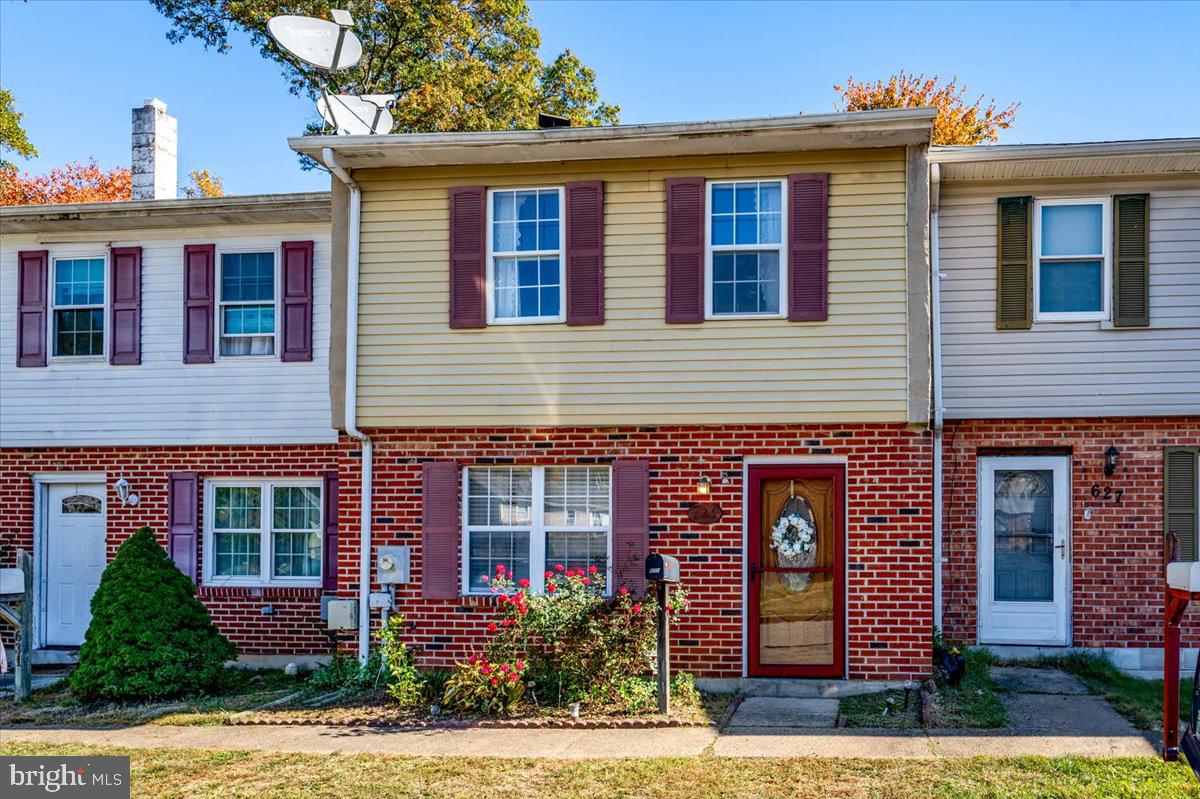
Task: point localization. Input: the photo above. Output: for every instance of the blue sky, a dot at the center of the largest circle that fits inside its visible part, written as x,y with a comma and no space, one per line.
1081,70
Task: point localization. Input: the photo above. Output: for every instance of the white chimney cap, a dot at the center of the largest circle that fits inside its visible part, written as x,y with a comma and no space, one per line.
154,101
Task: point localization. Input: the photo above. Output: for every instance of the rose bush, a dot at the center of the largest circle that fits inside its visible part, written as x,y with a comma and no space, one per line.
485,685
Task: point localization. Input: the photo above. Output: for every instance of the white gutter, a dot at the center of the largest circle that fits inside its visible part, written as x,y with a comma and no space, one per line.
935,177
350,400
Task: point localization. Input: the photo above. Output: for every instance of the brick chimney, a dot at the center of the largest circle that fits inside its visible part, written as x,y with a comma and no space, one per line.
155,152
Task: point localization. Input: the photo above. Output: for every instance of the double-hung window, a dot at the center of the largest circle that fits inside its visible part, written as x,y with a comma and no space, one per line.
530,519
78,317
1073,265
262,532
525,264
247,299
746,259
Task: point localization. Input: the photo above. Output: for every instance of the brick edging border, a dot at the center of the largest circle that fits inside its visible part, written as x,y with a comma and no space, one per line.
486,724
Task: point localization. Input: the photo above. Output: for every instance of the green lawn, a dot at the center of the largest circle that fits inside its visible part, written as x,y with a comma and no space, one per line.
172,774
1140,701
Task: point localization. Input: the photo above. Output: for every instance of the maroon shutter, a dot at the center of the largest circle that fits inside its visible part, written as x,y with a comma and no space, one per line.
631,524
297,301
685,250
126,293
32,276
468,273
808,247
183,495
199,298
439,530
329,578
585,252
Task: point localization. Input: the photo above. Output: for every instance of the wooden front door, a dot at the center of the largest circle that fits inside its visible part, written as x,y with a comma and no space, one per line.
796,587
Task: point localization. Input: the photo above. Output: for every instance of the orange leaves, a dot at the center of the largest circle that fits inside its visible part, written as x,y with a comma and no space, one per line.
73,183
957,121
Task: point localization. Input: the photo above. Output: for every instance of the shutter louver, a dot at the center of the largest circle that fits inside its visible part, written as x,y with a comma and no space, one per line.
685,250
585,252
808,247
1131,260
439,530
630,524
1181,516
32,277
183,521
468,254
329,576
199,300
297,301
126,311
1014,263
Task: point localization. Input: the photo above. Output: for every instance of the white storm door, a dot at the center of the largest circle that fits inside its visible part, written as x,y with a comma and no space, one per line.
74,559
1024,554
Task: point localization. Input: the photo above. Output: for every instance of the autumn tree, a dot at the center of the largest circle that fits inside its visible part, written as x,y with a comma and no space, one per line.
453,65
12,135
957,122
73,183
204,184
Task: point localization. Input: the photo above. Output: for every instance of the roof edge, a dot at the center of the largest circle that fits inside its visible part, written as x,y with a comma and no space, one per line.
247,202
1027,152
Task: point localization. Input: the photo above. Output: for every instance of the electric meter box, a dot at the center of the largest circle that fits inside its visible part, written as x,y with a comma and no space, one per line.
391,565
662,568
343,614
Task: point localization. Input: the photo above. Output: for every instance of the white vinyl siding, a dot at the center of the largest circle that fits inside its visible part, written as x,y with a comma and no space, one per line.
1083,368
162,401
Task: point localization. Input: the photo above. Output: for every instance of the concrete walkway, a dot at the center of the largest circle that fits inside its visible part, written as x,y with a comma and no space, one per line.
590,744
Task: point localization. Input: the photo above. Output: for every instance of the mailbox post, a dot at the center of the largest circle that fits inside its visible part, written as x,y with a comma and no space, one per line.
662,571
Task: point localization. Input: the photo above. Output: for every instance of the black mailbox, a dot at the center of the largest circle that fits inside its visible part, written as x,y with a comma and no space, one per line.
662,568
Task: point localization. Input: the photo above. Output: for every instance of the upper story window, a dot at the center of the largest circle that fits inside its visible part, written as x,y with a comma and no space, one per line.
247,303
746,257
262,532
1071,255
78,317
525,265
529,519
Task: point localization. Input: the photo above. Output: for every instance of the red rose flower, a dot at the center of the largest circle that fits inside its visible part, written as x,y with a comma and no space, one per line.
586,581
485,578
520,665
624,592
523,582
636,608
492,627
495,681
509,622
549,574
504,669
592,570
485,669
512,677
499,568
551,588
558,567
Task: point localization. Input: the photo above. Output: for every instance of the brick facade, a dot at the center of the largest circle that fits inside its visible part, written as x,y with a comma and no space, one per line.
1116,554
889,539
294,627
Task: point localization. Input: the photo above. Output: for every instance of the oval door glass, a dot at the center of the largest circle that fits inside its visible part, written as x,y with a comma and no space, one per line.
1024,535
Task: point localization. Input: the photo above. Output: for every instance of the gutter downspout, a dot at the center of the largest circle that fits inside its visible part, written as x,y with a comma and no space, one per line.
350,400
935,178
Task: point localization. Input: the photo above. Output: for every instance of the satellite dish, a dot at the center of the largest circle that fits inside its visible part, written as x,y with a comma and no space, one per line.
326,45
354,115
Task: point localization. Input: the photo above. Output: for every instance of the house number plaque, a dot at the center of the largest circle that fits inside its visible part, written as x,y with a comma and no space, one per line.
705,513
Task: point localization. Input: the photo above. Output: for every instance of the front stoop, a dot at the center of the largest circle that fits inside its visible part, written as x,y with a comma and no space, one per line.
804,689
780,713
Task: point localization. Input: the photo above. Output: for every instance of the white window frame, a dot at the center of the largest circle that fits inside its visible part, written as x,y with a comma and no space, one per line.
266,577
1104,256
219,328
537,527
560,253
51,337
710,248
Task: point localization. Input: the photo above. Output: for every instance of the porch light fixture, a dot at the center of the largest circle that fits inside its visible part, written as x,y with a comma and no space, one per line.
704,486
124,494
1111,458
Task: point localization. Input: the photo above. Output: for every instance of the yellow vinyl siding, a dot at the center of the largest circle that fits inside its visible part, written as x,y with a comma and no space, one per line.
634,369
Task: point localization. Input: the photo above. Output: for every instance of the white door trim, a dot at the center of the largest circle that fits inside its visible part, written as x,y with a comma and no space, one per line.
41,483
1060,466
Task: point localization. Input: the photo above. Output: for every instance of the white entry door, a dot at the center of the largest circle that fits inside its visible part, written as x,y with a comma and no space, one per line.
74,559
1024,555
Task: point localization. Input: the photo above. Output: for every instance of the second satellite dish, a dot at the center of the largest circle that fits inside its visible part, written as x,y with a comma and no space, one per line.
324,44
351,115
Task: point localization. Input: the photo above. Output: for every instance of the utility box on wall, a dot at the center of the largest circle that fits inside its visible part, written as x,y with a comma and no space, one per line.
391,565
343,614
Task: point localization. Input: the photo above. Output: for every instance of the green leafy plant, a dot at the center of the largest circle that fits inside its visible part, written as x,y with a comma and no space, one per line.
640,694
150,638
404,681
345,674
483,685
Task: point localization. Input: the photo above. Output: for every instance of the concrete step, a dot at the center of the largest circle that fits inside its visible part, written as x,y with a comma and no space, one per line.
774,712
804,689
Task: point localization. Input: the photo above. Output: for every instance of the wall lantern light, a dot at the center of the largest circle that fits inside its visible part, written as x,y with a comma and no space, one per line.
704,486
124,494
1111,458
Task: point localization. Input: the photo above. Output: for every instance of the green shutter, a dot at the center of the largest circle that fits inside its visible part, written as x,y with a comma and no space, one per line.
1014,263
1131,260
1180,515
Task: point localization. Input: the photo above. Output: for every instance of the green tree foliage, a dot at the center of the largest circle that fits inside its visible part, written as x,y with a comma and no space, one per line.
454,65
150,638
12,135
